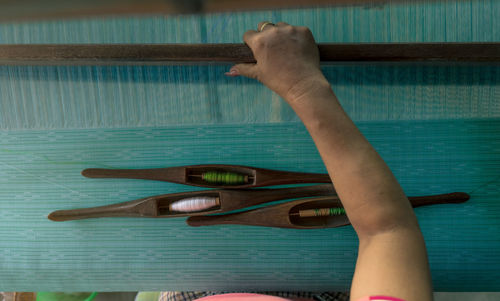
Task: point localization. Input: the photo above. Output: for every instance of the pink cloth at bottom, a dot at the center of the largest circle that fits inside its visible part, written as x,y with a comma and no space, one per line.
259,297
380,298
248,297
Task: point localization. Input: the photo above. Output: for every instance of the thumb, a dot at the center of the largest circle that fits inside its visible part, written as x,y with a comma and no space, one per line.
248,70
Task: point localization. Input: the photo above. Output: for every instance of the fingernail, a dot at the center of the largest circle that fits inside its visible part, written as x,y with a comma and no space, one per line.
232,72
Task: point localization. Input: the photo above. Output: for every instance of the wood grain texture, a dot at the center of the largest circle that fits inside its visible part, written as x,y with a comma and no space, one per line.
284,215
113,54
183,175
159,206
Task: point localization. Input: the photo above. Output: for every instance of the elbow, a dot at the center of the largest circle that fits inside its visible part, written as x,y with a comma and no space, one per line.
377,223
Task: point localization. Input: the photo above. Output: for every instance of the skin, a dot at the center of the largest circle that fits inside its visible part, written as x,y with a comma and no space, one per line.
392,258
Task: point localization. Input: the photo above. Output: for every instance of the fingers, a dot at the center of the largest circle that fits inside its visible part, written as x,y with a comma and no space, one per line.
254,40
248,70
251,35
248,37
280,24
264,26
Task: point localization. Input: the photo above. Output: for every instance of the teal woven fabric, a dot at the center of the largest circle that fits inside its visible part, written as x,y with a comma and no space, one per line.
40,173
437,127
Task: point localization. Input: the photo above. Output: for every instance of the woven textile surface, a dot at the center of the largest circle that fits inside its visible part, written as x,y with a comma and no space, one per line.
438,128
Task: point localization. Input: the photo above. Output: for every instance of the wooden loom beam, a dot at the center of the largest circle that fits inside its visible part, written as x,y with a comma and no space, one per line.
167,54
15,10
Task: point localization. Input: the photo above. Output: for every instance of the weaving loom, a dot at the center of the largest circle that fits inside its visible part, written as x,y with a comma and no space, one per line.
437,127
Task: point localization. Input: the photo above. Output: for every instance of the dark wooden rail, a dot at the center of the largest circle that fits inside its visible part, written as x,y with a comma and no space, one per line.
15,10
118,54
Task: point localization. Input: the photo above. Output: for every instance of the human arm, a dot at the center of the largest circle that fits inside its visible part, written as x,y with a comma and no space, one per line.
392,258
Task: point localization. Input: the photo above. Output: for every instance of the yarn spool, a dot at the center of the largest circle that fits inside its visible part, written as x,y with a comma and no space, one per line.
320,212
194,204
224,178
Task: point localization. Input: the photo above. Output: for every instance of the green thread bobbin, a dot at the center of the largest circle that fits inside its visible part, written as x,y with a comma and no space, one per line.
226,178
321,212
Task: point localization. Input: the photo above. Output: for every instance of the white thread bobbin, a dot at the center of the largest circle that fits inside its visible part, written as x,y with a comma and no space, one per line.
194,204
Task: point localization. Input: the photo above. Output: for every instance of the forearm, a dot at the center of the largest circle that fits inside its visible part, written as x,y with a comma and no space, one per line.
392,258
372,197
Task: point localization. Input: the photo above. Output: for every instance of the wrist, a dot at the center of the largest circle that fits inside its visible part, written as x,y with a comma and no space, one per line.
308,90
316,103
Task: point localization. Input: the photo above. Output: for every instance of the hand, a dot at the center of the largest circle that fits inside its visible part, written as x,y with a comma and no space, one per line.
287,59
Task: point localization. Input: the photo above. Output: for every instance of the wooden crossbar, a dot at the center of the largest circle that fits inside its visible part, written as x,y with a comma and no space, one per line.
166,54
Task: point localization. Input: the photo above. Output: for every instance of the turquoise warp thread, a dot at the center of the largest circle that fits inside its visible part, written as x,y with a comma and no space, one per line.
436,126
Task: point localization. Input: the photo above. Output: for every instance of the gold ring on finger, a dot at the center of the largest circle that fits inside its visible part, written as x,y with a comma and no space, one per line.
261,28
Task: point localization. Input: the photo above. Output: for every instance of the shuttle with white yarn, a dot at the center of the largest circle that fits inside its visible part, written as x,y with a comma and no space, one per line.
194,204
